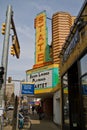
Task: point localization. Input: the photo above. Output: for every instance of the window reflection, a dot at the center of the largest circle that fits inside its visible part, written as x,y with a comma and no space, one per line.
84,95
83,63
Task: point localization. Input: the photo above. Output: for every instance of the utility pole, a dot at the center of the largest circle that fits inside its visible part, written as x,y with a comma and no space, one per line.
9,22
4,61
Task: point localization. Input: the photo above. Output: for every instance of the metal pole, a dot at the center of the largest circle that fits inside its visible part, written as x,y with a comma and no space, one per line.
4,61
6,41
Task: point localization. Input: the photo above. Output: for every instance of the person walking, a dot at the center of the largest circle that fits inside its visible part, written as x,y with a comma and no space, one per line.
40,112
33,108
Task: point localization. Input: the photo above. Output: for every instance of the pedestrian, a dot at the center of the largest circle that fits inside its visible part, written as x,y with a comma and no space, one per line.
21,123
40,112
4,115
33,108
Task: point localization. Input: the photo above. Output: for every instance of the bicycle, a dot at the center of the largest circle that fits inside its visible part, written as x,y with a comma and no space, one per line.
7,122
27,122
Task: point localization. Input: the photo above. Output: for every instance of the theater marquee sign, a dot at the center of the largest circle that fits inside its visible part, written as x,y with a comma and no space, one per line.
45,78
41,79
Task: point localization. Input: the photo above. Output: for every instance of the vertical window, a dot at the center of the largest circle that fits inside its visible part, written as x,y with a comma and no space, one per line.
65,100
83,63
84,96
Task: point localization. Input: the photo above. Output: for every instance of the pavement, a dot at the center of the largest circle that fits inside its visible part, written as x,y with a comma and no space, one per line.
43,124
37,124
9,127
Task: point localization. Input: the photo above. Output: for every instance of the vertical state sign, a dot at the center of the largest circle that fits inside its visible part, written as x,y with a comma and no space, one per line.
27,88
41,37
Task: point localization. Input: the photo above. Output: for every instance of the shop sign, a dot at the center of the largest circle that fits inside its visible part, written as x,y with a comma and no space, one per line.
27,88
84,89
71,46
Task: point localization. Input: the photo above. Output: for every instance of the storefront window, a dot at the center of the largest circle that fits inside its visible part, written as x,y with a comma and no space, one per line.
84,95
83,63
65,100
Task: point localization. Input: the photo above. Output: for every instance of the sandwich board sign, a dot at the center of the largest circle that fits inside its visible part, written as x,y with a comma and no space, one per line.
27,88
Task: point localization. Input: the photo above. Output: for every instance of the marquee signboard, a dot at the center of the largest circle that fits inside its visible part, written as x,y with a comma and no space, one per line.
45,78
42,79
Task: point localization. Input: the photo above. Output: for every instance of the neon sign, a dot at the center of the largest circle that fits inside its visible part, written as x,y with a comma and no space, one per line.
40,25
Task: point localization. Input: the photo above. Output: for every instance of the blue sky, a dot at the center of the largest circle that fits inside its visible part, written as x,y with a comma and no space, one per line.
25,12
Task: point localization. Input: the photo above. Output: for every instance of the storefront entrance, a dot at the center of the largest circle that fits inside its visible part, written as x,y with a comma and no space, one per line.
74,98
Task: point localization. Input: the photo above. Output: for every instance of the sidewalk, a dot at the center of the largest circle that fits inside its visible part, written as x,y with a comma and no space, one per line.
8,127
39,124
42,124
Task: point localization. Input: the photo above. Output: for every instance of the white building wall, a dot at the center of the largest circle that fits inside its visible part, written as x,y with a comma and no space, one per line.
9,89
56,108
